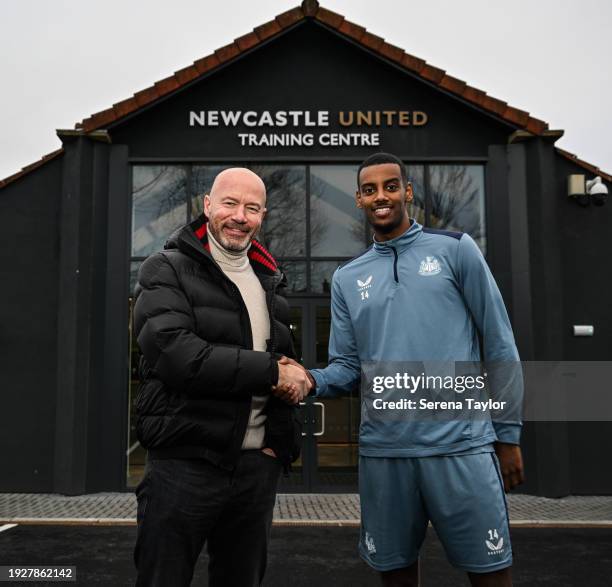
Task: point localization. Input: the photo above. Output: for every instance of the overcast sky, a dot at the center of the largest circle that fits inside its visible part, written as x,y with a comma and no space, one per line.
62,60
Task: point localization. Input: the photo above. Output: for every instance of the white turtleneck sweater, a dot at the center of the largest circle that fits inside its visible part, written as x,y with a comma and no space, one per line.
237,267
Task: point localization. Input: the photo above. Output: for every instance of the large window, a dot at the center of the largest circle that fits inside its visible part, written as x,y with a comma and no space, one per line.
312,224
457,200
336,224
159,200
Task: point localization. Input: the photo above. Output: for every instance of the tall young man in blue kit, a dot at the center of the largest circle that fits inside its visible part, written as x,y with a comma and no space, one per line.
419,294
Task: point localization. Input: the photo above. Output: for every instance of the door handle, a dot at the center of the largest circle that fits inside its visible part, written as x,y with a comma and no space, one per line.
322,406
322,431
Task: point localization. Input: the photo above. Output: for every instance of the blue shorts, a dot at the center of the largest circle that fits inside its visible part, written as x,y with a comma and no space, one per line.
463,497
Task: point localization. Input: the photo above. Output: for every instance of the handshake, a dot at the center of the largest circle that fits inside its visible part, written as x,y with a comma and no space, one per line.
294,381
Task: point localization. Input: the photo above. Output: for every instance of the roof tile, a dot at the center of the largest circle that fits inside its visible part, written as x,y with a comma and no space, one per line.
187,74
352,30
125,107
247,41
286,19
494,105
432,73
206,63
413,63
452,84
167,85
372,41
99,120
517,116
391,52
536,126
474,94
267,30
228,52
146,96
333,19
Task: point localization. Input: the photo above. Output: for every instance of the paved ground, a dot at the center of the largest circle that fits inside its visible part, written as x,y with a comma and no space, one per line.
556,541
307,556
290,509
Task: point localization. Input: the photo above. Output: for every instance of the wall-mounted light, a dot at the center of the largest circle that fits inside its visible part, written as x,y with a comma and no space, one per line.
576,188
597,190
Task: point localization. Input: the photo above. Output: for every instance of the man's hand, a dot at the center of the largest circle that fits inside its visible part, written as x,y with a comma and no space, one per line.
287,361
293,383
511,464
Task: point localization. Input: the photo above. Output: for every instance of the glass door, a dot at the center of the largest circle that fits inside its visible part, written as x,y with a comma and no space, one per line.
331,425
298,479
336,420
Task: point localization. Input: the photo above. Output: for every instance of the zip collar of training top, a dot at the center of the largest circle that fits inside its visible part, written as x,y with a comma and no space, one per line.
399,243
195,236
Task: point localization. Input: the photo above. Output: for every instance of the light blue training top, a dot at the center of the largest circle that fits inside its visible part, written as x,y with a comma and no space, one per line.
423,296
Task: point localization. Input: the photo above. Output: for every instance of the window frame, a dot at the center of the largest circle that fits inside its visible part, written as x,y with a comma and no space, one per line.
308,258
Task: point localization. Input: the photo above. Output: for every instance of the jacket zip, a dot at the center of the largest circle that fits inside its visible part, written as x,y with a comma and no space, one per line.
276,280
272,295
395,264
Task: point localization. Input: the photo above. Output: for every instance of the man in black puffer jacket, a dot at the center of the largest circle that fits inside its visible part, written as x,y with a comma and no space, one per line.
216,409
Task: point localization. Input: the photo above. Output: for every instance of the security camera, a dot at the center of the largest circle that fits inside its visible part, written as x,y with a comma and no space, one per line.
597,190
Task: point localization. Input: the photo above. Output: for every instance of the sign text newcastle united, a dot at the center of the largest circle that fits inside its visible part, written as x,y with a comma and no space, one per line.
294,128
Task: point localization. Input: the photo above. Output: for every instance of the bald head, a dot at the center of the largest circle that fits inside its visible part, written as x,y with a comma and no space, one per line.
235,207
238,180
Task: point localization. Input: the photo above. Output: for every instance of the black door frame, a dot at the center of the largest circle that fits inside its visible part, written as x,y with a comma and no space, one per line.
313,411
310,474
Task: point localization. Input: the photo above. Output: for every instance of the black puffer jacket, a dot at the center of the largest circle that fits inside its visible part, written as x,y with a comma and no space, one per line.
198,371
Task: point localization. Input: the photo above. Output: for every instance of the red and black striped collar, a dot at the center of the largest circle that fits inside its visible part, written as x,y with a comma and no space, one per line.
260,258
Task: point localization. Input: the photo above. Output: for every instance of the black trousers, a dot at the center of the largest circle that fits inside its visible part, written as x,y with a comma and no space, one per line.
184,503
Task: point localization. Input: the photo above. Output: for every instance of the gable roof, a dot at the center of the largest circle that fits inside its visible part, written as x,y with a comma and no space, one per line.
310,9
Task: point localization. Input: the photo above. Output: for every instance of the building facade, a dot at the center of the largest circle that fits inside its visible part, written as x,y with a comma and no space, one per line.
301,100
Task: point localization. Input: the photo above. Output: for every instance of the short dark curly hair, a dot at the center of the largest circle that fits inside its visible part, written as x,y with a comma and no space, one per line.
381,159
